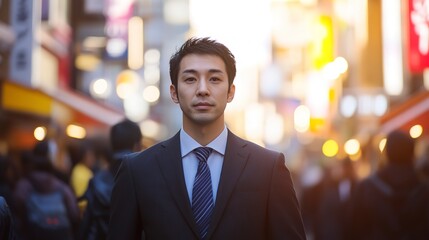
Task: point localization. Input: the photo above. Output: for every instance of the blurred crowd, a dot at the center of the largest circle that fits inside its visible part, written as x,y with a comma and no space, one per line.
45,202
391,203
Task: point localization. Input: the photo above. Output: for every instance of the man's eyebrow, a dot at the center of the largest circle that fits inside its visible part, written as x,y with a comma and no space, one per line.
215,71
210,71
189,71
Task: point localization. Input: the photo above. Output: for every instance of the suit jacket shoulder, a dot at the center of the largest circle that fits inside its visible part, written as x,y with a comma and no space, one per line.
261,153
147,156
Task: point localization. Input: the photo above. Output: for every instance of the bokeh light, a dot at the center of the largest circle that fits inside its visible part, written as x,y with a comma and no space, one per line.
302,118
416,131
151,94
40,133
330,148
352,147
382,144
75,131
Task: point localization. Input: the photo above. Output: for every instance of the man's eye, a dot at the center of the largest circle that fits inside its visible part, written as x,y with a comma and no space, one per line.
189,80
215,79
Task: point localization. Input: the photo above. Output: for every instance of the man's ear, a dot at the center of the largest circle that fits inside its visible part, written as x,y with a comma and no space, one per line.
173,94
231,93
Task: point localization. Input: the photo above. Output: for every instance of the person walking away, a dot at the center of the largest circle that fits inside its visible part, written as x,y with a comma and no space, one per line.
125,138
46,208
392,203
336,202
204,182
83,157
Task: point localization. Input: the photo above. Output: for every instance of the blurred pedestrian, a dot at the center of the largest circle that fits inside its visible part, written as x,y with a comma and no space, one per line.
241,190
83,159
125,138
44,149
7,227
336,203
8,178
393,203
314,180
46,207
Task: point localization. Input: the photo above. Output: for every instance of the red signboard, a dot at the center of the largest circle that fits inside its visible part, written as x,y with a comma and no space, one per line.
418,35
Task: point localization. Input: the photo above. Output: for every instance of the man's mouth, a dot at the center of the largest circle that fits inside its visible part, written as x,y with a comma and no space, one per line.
203,105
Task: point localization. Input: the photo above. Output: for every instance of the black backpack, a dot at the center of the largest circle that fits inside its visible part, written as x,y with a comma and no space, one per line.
47,216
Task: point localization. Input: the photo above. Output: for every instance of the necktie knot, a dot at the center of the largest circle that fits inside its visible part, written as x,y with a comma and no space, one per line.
203,153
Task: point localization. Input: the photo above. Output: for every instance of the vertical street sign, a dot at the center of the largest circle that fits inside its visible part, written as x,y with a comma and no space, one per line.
21,19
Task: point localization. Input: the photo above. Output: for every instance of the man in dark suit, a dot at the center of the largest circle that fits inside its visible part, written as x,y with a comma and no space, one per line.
163,192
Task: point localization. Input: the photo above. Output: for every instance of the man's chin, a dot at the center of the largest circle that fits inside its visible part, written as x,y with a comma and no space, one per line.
204,119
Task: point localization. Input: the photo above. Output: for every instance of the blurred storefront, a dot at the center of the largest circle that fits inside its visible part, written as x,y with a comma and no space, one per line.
29,115
61,108
37,100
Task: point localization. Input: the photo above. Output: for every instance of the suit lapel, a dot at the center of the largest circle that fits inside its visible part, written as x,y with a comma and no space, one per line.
234,162
170,162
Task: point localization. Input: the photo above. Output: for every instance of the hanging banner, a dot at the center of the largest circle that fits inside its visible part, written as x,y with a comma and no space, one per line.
418,35
21,20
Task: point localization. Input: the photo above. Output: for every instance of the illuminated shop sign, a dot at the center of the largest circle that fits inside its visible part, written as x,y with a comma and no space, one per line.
418,33
117,13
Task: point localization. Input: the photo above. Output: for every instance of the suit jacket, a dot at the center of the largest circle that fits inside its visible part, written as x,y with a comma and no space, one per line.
255,200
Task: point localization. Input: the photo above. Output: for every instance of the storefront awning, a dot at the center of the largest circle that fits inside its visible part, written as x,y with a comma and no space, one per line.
62,105
88,109
412,112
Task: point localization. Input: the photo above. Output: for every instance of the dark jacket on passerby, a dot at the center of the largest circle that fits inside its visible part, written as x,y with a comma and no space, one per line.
393,203
41,180
125,138
8,176
328,206
7,227
95,221
311,196
335,211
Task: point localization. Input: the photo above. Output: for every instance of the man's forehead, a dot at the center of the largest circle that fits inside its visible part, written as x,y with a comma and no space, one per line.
193,63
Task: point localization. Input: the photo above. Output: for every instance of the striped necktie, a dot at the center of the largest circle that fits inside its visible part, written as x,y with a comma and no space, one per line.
202,194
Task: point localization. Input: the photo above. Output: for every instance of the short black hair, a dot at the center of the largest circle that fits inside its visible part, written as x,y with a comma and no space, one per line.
125,135
39,157
41,148
202,46
399,147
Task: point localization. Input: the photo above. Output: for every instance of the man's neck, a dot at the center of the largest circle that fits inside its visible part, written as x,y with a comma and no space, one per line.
204,134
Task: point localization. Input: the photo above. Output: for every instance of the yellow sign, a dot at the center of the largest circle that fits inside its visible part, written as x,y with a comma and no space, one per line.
23,99
322,51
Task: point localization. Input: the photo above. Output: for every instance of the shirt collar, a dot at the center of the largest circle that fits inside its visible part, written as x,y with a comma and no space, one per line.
188,144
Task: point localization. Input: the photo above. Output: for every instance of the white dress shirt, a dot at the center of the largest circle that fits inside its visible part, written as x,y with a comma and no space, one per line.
190,161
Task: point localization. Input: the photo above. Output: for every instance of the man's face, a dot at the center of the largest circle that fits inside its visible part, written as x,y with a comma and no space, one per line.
202,89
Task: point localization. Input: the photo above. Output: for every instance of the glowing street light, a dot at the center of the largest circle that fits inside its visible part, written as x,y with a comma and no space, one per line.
330,148
352,147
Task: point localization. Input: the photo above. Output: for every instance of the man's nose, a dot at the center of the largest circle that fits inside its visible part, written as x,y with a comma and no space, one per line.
202,87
